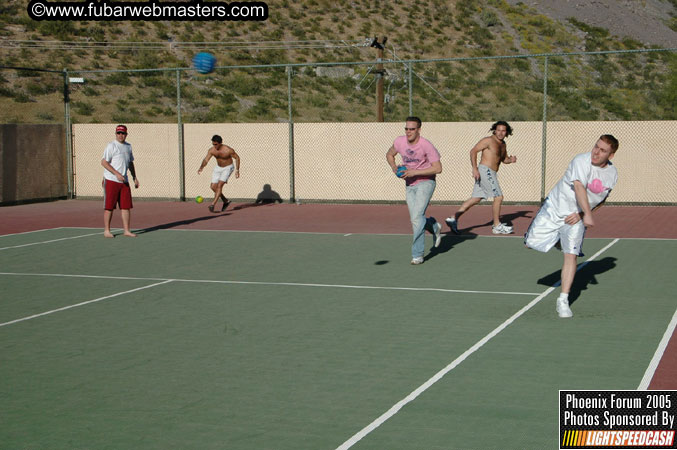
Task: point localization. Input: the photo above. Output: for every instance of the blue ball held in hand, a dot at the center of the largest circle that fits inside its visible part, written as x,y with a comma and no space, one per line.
401,170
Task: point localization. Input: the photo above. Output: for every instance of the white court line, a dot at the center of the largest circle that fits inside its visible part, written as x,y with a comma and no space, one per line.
51,240
82,303
270,283
435,378
28,232
653,365
462,236
347,286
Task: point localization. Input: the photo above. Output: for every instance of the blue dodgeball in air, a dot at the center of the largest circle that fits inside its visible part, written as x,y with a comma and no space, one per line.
204,62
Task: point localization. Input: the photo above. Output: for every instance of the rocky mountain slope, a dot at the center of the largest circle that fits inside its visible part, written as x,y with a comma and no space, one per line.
637,86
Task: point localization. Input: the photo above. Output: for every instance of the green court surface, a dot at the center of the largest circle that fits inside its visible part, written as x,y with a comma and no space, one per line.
254,340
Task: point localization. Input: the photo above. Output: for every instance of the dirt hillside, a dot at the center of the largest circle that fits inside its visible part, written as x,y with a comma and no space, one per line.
645,21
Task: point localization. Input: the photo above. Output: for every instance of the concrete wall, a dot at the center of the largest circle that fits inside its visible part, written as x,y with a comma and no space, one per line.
32,163
346,161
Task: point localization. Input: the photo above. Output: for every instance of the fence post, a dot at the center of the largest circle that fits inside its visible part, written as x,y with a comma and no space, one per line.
411,90
292,189
69,137
182,169
545,127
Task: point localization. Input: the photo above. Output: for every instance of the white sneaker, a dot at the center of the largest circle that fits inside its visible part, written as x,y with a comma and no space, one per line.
501,228
563,309
451,221
437,234
417,261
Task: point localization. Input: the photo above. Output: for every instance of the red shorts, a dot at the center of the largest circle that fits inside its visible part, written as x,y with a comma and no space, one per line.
116,193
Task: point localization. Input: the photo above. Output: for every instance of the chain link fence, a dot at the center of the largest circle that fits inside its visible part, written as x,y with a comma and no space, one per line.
31,96
319,131
123,97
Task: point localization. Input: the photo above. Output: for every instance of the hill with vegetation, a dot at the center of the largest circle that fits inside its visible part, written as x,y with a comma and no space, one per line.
629,86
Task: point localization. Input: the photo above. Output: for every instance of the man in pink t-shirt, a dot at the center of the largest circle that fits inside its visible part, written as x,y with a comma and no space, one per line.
422,163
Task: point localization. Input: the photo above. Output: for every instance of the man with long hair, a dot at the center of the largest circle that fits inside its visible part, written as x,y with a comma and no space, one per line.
494,152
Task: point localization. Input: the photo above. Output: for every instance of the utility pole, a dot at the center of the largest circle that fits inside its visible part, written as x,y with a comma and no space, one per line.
380,73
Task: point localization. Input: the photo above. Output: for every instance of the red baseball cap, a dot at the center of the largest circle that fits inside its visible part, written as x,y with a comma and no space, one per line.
121,128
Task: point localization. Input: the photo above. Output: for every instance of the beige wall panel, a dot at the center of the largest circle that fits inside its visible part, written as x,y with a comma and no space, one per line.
346,161
645,157
519,181
262,147
343,161
155,148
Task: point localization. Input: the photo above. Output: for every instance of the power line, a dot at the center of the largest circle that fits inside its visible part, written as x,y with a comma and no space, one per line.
421,78
177,45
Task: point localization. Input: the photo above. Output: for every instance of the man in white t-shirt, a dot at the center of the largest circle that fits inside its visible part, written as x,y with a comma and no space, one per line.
117,159
567,210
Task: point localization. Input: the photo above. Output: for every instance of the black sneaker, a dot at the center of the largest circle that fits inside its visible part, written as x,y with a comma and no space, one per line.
453,224
225,205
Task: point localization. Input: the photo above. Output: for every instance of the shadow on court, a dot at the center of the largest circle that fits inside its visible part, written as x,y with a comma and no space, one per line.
179,223
507,218
586,275
448,242
267,196
250,205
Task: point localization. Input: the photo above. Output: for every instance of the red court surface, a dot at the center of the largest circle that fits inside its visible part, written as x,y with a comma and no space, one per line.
656,222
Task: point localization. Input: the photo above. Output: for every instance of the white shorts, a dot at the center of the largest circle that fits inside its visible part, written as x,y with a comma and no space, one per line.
222,174
487,186
548,228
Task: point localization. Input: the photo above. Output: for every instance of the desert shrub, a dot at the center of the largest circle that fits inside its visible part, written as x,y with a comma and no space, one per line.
6,92
22,97
89,91
262,109
489,18
46,116
117,78
61,29
133,115
83,108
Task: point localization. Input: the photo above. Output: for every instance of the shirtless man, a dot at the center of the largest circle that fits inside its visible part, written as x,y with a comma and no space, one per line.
224,159
494,152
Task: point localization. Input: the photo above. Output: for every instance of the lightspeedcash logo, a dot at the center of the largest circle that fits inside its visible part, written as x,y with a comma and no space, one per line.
618,419
147,10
